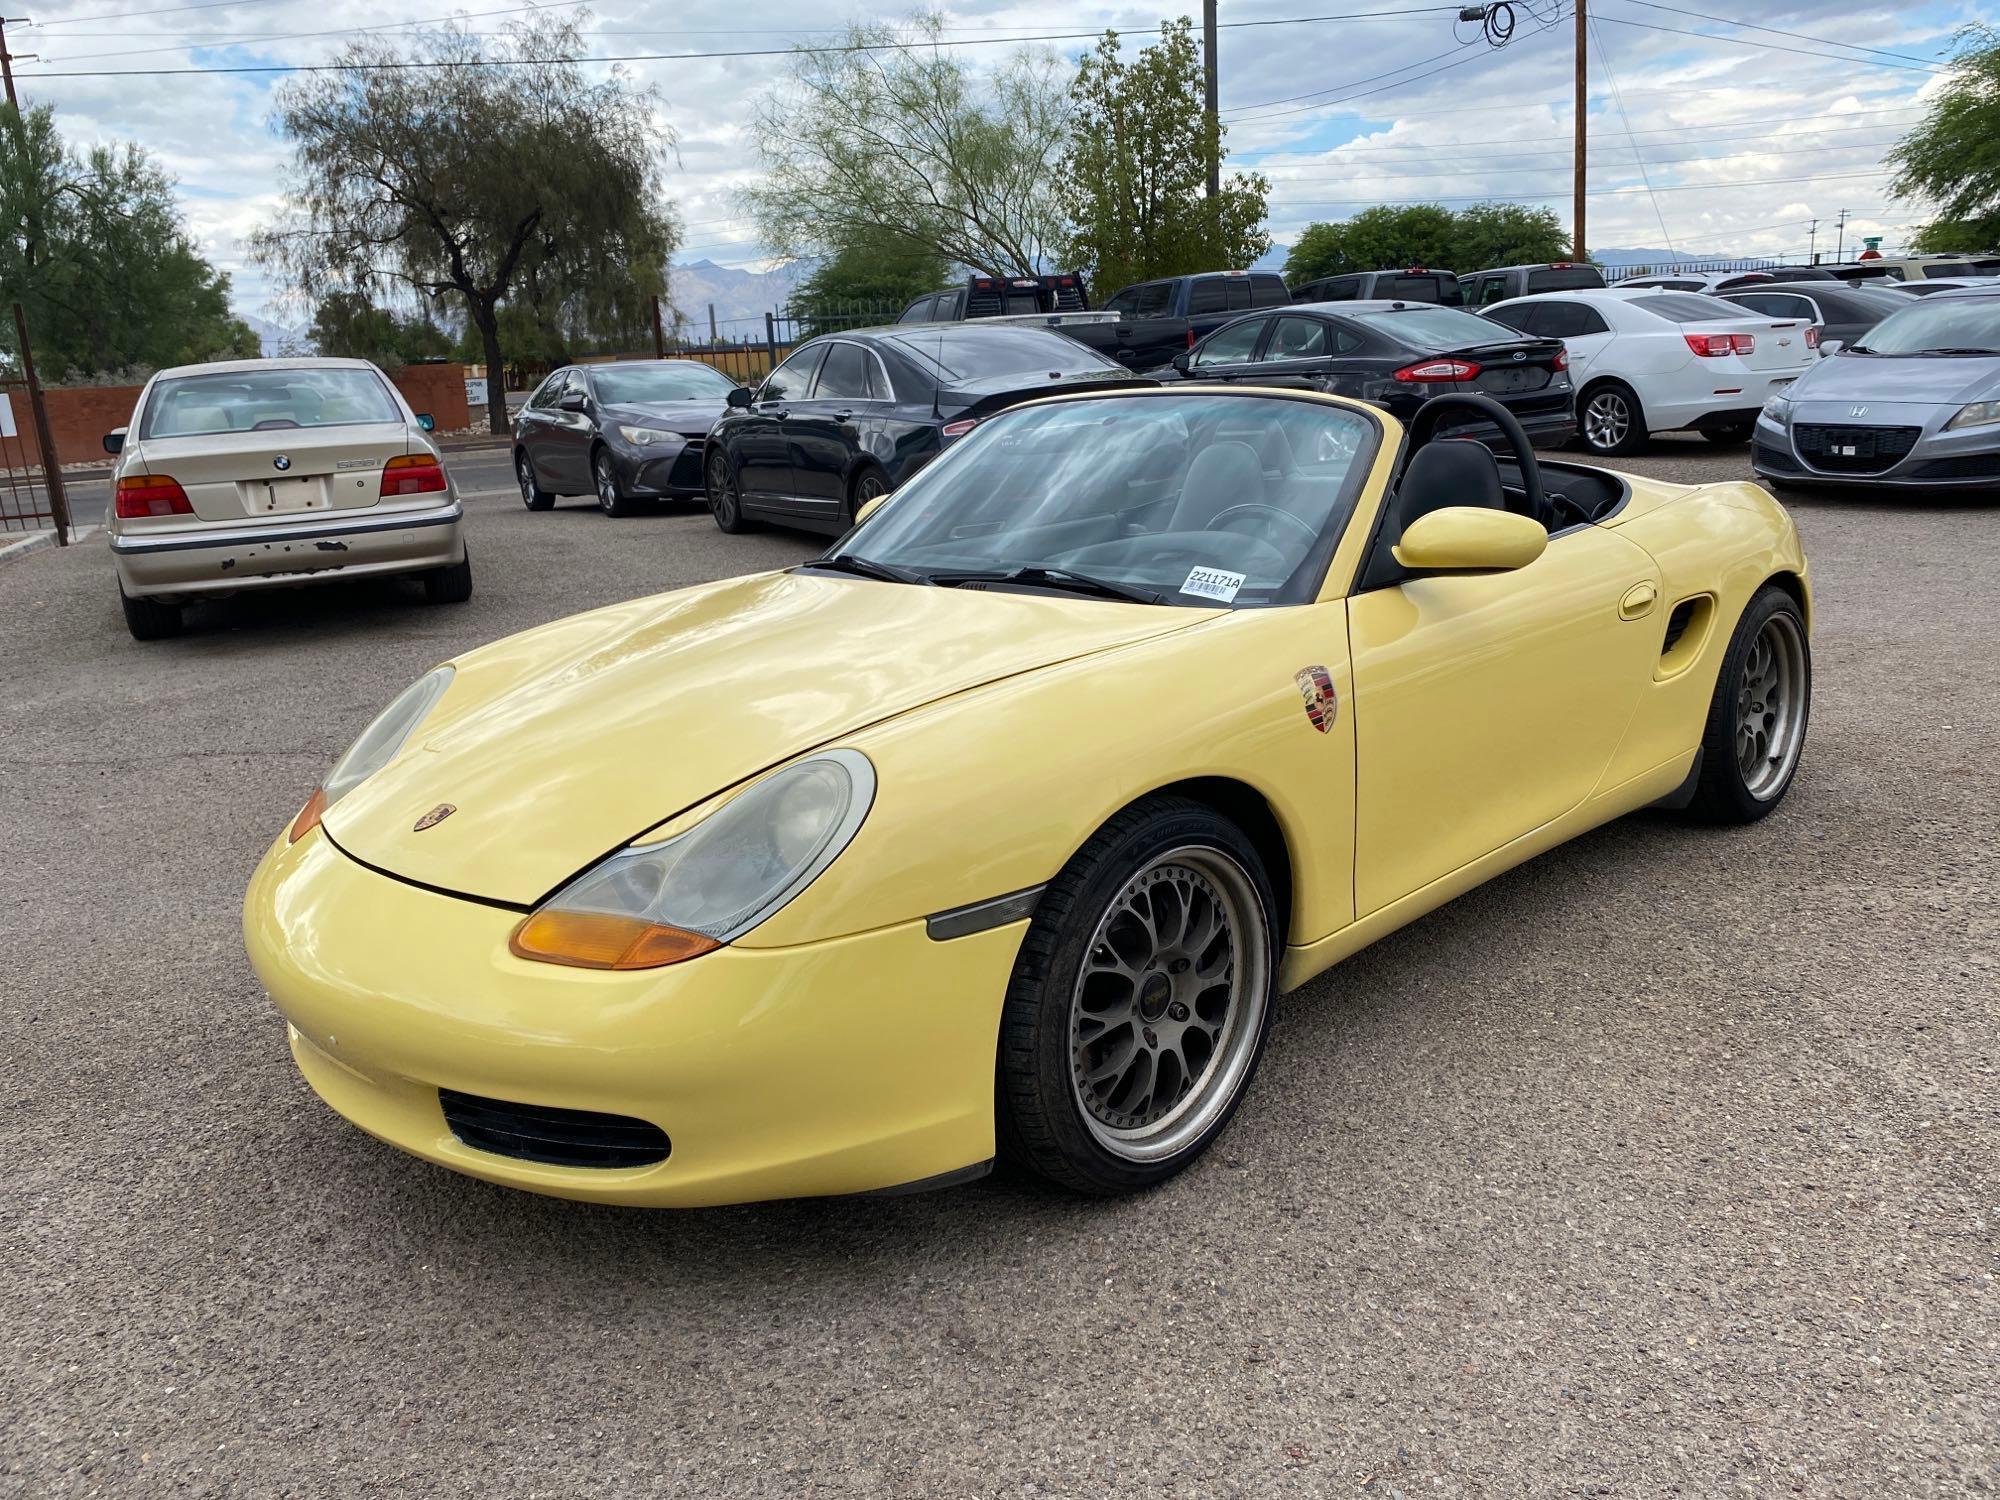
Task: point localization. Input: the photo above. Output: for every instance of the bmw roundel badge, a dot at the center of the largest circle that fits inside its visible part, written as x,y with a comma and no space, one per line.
281,463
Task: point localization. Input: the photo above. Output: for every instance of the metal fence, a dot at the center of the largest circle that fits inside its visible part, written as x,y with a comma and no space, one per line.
747,349
31,491
1616,274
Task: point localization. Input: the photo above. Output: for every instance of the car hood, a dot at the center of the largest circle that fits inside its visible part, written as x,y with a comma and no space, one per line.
1931,380
557,746
692,418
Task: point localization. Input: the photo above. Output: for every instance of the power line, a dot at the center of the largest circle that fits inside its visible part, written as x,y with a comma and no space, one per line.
165,10
1553,157
1780,31
1393,168
1744,41
226,39
1337,88
1684,187
1478,109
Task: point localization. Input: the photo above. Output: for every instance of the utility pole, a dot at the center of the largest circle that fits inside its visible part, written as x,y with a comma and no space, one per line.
1812,243
1580,251
8,59
1840,245
659,335
1208,78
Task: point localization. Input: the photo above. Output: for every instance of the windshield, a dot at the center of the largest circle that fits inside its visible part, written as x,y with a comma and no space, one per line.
663,381
1959,323
985,353
1191,499
1429,327
267,400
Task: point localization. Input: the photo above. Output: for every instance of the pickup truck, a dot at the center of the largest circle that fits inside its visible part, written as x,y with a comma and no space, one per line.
1142,326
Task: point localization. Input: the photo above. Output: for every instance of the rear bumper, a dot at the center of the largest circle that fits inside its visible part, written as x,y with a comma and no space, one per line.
216,558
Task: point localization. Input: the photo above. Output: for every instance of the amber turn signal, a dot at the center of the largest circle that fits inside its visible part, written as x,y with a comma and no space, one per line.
598,940
309,815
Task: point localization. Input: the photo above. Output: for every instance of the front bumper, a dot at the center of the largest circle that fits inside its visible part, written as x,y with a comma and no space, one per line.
215,557
661,471
1967,460
851,1065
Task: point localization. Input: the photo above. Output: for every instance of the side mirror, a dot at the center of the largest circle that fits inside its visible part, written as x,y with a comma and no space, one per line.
114,440
574,401
1830,346
426,421
1181,362
741,397
1470,539
868,508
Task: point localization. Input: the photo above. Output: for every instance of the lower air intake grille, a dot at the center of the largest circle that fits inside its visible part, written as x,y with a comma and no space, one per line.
561,1137
1960,466
1854,450
1774,460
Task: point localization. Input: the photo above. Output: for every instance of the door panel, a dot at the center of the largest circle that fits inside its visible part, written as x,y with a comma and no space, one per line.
763,452
1488,704
823,433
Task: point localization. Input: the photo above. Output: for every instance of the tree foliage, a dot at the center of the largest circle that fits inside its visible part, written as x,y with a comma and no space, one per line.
97,255
1389,236
482,182
351,325
1133,178
1952,159
872,273
907,142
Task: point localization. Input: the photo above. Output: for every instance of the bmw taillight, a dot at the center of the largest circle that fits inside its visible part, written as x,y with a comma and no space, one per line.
1716,345
1437,371
412,474
151,495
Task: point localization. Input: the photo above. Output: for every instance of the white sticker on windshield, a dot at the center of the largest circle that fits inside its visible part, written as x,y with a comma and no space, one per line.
1213,583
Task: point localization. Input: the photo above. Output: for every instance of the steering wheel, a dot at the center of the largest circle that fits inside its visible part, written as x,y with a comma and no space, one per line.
1252,508
1535,503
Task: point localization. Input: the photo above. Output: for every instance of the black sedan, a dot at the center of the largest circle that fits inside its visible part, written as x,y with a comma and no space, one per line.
849,416
1398,354
631,433
1840,313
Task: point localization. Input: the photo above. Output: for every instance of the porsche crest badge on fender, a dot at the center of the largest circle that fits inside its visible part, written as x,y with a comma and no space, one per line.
1322,703
434,817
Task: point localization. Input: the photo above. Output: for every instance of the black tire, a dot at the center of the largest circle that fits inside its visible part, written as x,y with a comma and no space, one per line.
725,501
149,618
1042,1124
1725,437
532,494
611,497
451,584
1726,792
1624,429
867,483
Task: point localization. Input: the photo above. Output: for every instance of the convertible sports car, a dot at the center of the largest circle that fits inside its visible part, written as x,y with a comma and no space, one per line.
999,829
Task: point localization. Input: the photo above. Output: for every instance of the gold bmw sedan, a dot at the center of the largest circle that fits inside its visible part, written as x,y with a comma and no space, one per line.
267,472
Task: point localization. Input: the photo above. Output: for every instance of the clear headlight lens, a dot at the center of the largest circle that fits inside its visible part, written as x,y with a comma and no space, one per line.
376,747
656,904
1976,415
1779,409
646,436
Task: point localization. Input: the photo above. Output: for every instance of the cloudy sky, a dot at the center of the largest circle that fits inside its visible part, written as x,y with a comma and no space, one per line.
1709,134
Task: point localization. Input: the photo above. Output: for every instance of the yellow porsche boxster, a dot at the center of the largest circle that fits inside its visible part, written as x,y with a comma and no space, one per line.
997,831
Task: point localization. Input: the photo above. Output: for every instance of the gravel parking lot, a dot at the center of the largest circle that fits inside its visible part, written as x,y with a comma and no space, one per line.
1665,1165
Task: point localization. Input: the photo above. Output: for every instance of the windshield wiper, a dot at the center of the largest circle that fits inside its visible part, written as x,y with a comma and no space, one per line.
1054,578
866,567
1953,350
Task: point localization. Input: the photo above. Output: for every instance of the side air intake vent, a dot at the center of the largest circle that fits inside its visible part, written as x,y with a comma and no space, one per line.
1677,624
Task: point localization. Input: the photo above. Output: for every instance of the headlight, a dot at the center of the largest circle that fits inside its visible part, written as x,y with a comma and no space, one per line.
655,904
378,745
645,437
1976,415
1779,409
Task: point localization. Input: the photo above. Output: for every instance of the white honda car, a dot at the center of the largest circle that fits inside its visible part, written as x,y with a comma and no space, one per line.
259,473
1645,360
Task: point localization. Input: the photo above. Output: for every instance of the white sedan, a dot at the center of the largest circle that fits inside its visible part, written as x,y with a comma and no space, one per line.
264,472
1646,361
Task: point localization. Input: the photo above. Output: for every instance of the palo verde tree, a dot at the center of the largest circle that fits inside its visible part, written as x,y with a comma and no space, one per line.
871,273
469,175
1389,236
95,251
887,135
1134,174
1952,160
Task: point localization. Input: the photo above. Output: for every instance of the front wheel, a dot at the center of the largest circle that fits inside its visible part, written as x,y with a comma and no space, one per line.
1610,421
1757,718
1140,1001
604,479
725,502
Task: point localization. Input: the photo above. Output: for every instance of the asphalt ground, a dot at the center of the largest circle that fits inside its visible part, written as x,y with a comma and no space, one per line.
1664,1165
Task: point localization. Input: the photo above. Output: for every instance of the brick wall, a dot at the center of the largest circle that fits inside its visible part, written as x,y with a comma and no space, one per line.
79,416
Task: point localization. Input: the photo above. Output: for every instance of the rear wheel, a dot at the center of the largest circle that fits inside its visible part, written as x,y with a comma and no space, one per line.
870,484
1609,419
725,502
1735,432
150,619
451,584
532,494
1139,1002
1757,719
611,498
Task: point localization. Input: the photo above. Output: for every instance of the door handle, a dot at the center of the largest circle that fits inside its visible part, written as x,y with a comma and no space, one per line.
843,416
1638,601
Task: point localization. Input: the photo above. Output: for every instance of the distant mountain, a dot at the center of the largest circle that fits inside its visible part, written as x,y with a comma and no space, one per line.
740,298
277,339
1642,256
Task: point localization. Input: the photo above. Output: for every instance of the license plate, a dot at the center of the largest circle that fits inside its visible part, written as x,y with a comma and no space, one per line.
1779,385
303,493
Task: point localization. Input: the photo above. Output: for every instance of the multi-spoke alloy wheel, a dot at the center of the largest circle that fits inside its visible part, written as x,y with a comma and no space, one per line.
1169,1003
1607,421
1757,719
1140,1000
723,501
